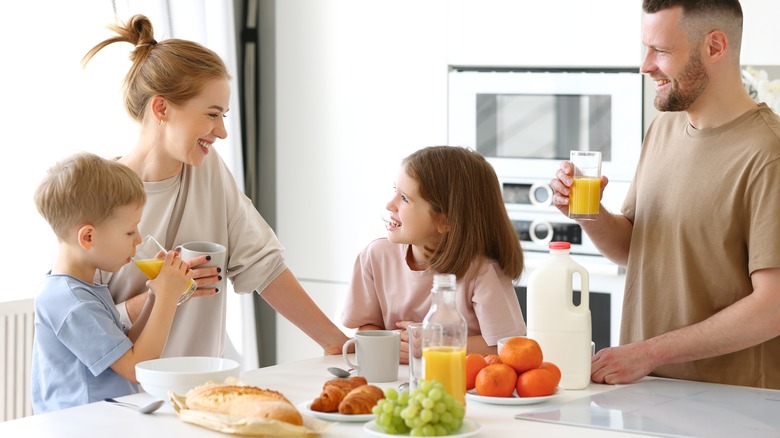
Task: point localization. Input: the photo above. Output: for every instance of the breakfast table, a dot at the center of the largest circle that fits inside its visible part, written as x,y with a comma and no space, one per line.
568,413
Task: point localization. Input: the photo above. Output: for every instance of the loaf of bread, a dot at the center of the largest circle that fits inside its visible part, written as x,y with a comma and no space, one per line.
243,401
333,392
361,400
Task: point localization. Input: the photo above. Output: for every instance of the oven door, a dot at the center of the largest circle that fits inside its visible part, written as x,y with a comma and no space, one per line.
526,123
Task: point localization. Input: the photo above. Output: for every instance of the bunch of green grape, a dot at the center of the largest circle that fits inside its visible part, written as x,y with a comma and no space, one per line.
427,410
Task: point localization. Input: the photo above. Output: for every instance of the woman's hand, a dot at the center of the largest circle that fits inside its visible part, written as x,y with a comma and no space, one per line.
204,276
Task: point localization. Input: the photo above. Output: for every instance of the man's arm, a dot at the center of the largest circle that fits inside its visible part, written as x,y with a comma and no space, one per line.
611,233
748,322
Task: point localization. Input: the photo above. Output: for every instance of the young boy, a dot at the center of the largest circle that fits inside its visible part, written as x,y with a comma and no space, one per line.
82,353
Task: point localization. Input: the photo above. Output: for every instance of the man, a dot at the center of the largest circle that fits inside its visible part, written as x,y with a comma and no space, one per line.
699,229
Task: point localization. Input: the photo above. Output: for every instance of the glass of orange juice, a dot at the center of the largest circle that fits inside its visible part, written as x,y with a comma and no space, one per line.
149,257
585,195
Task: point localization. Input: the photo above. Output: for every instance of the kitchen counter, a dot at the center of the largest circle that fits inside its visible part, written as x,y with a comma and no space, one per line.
302,381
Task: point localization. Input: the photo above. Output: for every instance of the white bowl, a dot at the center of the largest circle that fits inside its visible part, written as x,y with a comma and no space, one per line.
180,374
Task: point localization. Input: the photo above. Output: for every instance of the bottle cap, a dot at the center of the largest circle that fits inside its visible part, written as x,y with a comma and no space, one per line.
560,245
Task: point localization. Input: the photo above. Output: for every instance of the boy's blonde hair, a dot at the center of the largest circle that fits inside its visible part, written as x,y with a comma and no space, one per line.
86,189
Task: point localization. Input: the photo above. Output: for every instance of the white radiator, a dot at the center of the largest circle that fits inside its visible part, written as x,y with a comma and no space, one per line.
16,340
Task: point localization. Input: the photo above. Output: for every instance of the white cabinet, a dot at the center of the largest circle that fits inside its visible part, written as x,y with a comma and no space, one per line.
760,41
553,33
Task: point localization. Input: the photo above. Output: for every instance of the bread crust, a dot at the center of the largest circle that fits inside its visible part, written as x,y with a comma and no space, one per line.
243,401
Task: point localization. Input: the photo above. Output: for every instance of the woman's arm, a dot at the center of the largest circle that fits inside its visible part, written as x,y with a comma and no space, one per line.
286,295
141,316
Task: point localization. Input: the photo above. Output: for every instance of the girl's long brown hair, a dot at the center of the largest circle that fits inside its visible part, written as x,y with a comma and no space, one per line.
460,184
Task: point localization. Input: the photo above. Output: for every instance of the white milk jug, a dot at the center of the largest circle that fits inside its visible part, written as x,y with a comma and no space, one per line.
562,329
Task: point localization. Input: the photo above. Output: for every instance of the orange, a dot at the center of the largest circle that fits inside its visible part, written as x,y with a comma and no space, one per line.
474,363
497,380
522,354
536,383
492,359
551,367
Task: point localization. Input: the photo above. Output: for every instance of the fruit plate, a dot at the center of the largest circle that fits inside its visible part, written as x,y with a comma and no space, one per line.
514,400
334,416
469,428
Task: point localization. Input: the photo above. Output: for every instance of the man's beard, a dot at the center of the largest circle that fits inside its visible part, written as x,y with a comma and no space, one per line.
686,89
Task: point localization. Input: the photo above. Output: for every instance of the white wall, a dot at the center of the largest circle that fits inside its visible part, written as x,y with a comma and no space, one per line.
553,33
52,110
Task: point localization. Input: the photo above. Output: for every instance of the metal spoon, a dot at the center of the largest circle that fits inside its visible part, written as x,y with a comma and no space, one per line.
403,386
340,372
148,409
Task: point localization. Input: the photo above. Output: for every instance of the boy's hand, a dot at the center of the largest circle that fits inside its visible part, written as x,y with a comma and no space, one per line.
173,279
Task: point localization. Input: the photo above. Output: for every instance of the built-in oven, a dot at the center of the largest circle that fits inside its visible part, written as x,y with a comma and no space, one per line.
525,122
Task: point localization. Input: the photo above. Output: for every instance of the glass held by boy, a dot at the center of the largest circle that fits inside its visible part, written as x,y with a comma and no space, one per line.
82,353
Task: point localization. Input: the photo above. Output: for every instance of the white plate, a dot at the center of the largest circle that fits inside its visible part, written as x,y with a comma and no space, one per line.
334,416
468,428
514,400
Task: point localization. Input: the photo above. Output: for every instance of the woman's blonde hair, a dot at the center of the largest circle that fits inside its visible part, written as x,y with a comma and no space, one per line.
86,189
463,187
175,69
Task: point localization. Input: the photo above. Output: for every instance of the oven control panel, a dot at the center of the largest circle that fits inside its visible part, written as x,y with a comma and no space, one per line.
538,222
536,194
543,232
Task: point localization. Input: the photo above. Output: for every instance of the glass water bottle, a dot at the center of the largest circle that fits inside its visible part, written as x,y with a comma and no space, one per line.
444,339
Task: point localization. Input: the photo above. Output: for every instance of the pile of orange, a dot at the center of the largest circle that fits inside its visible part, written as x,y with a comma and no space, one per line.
519,366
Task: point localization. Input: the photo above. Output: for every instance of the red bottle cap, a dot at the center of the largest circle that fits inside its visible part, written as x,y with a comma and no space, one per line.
560,245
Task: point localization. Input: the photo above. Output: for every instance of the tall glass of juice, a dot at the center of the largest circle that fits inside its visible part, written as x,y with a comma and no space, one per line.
585,195
149,257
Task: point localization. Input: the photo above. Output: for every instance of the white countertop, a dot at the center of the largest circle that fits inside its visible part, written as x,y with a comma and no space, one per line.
300,382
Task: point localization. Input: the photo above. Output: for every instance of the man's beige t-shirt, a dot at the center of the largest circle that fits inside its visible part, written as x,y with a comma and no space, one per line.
705,205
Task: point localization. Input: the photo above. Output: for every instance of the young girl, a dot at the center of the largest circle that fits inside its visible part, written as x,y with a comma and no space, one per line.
447,216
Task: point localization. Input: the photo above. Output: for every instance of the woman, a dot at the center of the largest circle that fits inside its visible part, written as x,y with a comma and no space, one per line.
179,91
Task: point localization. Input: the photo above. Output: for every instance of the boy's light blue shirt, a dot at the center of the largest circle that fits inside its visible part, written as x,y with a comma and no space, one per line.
78,336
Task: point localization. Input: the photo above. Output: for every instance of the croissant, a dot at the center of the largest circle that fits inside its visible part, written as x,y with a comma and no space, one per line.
361,400
333,392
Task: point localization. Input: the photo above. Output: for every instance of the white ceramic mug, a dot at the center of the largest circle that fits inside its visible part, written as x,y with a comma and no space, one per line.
377,353
218,255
